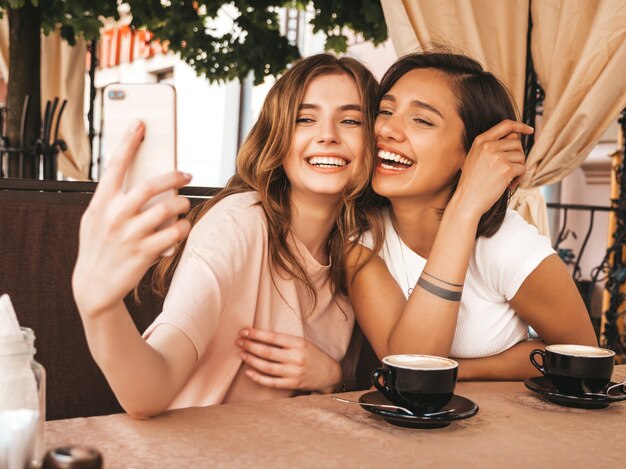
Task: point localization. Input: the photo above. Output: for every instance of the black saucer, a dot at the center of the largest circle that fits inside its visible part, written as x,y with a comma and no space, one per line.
458,408
544,386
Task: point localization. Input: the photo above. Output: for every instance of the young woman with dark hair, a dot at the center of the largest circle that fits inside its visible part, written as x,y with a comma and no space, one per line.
256,304
458,275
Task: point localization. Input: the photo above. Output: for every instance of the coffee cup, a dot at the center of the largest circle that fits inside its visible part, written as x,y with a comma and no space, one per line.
575,369
421,383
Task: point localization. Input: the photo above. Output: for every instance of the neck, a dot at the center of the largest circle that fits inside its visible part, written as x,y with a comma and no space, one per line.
417,222
312,219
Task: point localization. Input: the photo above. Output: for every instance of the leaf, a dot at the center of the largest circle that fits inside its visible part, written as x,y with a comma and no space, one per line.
337,43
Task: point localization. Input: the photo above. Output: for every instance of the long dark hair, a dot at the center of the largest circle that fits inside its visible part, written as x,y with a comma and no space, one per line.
483,101
259,168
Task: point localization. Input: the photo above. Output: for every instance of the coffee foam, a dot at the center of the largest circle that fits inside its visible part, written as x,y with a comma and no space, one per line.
420,362
580,350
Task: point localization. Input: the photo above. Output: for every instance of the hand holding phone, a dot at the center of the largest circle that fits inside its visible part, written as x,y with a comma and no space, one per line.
118,238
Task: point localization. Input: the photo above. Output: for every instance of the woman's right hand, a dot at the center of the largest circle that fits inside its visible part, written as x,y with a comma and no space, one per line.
288,362
118,240
494,163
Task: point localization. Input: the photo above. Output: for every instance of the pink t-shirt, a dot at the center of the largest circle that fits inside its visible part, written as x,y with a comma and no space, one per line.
223,284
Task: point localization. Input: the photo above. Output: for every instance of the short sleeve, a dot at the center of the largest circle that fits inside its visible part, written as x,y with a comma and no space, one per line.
367,240
219,247
507,258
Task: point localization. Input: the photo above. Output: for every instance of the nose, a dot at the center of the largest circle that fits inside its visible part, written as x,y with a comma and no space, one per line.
388,127
328,132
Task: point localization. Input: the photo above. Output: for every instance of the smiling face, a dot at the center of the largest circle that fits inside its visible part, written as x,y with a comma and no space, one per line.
327,144
419,136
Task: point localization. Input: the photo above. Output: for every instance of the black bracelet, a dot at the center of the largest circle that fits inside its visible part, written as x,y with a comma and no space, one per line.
443,281
444,293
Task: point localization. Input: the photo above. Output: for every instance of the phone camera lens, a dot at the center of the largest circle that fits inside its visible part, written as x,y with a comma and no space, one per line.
116,94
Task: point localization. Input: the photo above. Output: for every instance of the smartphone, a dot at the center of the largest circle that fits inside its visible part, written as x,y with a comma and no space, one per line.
155,105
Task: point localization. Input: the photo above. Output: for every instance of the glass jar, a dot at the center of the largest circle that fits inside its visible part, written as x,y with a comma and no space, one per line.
23,385
40,376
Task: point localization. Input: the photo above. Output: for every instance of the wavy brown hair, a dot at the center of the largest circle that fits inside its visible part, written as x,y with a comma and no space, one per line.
259,168
483,101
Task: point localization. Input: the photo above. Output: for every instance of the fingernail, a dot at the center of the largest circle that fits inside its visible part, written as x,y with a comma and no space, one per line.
187,176
239,343
242,356
244,332
135,126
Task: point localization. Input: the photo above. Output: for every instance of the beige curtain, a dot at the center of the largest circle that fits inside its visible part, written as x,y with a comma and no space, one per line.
62,75
579,52
491,31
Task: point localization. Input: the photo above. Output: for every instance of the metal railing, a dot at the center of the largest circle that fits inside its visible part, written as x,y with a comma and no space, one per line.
586,283
566,254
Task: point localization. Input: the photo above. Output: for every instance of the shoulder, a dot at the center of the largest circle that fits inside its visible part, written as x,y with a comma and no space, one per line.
358,256
243,204
243,209
505,259
366,273
514,238
237,215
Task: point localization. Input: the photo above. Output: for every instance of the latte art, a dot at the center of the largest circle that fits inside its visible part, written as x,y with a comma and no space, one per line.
420,362
580,350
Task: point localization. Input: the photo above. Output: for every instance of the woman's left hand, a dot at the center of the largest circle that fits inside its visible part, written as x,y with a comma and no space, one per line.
288,362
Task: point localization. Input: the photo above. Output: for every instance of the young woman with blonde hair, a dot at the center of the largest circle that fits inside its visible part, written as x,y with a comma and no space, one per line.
256,305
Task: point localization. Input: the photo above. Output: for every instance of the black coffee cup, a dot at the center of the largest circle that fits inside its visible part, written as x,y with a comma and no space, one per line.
421,383
576,369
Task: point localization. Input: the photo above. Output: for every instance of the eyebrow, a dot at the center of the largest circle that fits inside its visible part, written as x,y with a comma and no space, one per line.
416,103
345,107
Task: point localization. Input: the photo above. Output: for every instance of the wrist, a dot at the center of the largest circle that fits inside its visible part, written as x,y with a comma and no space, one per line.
465,370
461,215
88,306
336,382
91,309
82,297
92,303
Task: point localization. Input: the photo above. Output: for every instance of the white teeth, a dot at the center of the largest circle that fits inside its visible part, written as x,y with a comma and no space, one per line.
394,168
387,155
327,161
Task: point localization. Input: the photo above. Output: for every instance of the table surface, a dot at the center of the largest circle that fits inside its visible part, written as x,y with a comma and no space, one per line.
513,428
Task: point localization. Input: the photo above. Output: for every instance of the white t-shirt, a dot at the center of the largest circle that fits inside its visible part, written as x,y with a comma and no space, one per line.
487,324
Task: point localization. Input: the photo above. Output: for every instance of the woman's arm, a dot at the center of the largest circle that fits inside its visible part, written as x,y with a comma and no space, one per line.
117,243
511,365
144,375
549,301
426,323
376,298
